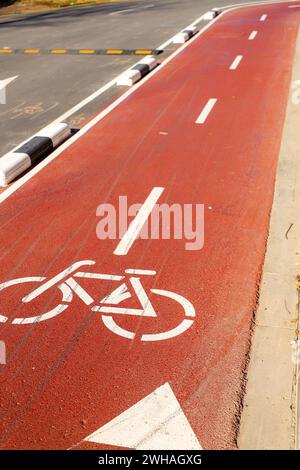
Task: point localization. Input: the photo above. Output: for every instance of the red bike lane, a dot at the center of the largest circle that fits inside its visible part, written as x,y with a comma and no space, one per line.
70,375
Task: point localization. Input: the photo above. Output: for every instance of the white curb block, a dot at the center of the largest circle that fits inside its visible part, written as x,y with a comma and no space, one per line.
16,162
210,15
129,78
138,71
185,35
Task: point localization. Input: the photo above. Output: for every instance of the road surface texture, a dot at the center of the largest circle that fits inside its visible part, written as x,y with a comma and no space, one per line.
48,86
204,128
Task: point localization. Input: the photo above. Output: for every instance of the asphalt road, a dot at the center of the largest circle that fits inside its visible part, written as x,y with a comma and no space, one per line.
49,86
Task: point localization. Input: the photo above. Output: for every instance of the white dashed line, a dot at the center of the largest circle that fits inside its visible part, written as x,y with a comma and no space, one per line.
138,222
236,62
252,35
206,110
263,17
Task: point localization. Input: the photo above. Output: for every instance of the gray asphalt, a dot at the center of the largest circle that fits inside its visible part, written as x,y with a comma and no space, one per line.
49,85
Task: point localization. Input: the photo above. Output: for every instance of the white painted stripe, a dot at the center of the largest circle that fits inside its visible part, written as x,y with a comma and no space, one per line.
137,223
263,17
294,6
206,110
3,85
236,62
252,35
128,10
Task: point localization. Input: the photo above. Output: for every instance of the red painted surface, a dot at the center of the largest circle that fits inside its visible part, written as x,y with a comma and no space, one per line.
68,376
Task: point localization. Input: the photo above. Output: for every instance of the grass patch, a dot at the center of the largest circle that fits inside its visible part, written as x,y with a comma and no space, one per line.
57,3
11,7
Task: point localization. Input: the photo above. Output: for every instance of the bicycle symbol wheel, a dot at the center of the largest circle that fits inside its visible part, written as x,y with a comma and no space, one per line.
66,296
186,323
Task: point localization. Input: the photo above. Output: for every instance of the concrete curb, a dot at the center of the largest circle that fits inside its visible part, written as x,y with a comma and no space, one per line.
210,15
185,35
138,71
41,144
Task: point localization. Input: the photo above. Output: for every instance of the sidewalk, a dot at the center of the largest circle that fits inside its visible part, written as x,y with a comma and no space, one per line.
269,418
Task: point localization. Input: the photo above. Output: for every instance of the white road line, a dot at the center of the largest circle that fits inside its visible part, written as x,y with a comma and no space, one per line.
128,10
294,6
263,17
3,84
252,35
85,101
236,62
206,110
137,223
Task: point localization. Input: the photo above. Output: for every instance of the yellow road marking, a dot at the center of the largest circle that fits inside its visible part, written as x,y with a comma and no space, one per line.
77,51
31,51
87,51
114,51
143,52
58,51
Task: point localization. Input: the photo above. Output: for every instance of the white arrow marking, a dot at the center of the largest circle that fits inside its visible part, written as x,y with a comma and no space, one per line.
157,422
3,85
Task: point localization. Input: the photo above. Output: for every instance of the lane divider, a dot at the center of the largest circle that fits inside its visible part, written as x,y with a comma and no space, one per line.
236,62
185,35
206,111
8,50
137,224
138,71
39,146
252,35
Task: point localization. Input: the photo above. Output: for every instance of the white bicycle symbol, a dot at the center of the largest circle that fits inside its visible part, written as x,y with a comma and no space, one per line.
107,306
